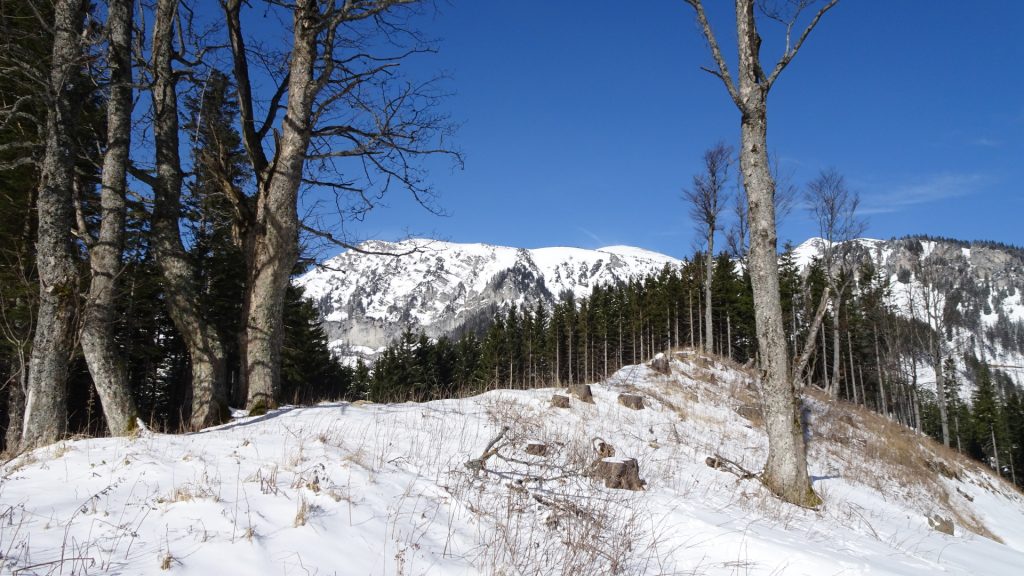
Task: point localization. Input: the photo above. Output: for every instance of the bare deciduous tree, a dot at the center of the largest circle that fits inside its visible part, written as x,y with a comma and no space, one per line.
707,199
785,471
342,102
98,318
206,353
834,207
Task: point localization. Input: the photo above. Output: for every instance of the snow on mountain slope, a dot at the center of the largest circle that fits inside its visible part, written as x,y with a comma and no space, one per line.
368,299
372,489
985,282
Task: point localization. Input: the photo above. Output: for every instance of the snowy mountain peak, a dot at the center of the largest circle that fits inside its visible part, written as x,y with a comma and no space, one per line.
366,299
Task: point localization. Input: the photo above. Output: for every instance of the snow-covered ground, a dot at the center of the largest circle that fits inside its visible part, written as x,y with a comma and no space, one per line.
385,489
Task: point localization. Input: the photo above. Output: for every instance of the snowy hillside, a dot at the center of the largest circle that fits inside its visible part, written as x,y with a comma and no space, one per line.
372,489
368,299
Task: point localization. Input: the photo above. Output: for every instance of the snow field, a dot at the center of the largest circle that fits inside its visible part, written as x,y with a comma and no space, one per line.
385,489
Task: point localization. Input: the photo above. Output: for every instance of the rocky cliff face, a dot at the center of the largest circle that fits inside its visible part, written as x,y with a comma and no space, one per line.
440,287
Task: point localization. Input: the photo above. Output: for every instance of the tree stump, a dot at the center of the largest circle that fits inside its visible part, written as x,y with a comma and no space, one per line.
940,524
582,391
560,401
661,364
633,401
620,473
535,448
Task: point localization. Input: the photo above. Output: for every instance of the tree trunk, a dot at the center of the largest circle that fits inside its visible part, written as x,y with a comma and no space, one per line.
812,335
881,375
98,344
275,248
940,386
833,389
209,371
708,271
16,408
853,379
45,417
785,472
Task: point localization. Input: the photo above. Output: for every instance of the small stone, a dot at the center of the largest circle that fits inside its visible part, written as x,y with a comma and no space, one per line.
583,392
537,448
633,401
560,401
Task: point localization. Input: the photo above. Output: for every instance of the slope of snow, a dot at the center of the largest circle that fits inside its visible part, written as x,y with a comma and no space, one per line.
384,489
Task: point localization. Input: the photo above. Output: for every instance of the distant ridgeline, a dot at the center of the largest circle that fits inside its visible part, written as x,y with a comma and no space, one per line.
468,321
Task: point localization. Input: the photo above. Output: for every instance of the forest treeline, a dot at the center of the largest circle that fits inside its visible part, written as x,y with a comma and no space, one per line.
882,351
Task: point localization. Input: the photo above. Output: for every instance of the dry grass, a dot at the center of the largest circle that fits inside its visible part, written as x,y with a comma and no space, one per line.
893,457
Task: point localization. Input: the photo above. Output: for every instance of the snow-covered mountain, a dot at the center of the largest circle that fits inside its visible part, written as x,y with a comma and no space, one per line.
368,299
976,292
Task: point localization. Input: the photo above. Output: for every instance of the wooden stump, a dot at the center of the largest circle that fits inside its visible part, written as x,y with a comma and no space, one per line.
537,448
582,391
940,524
560,401
661,364
633,401
621,473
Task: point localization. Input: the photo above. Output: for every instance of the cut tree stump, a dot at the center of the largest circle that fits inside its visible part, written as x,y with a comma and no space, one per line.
940,524
661,364
620,473
560,401
582,391
537,448
633,401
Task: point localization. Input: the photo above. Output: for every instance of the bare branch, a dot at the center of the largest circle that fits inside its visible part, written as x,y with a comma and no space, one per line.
788,55
723,69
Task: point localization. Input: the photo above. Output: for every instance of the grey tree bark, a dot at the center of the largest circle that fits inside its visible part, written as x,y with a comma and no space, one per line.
785,472
45,416
209,387
98,344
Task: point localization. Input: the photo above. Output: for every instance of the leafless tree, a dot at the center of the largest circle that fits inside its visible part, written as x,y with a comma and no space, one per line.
349,125
98,318
206,352
707,198
785,471
834,207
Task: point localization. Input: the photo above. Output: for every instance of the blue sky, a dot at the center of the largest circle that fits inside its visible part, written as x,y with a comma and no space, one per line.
581,122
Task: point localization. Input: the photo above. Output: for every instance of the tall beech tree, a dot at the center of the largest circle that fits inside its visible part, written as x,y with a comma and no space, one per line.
341,100
205,350
785,471
100,310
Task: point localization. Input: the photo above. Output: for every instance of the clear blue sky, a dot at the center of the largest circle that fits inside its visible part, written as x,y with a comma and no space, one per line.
582,121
